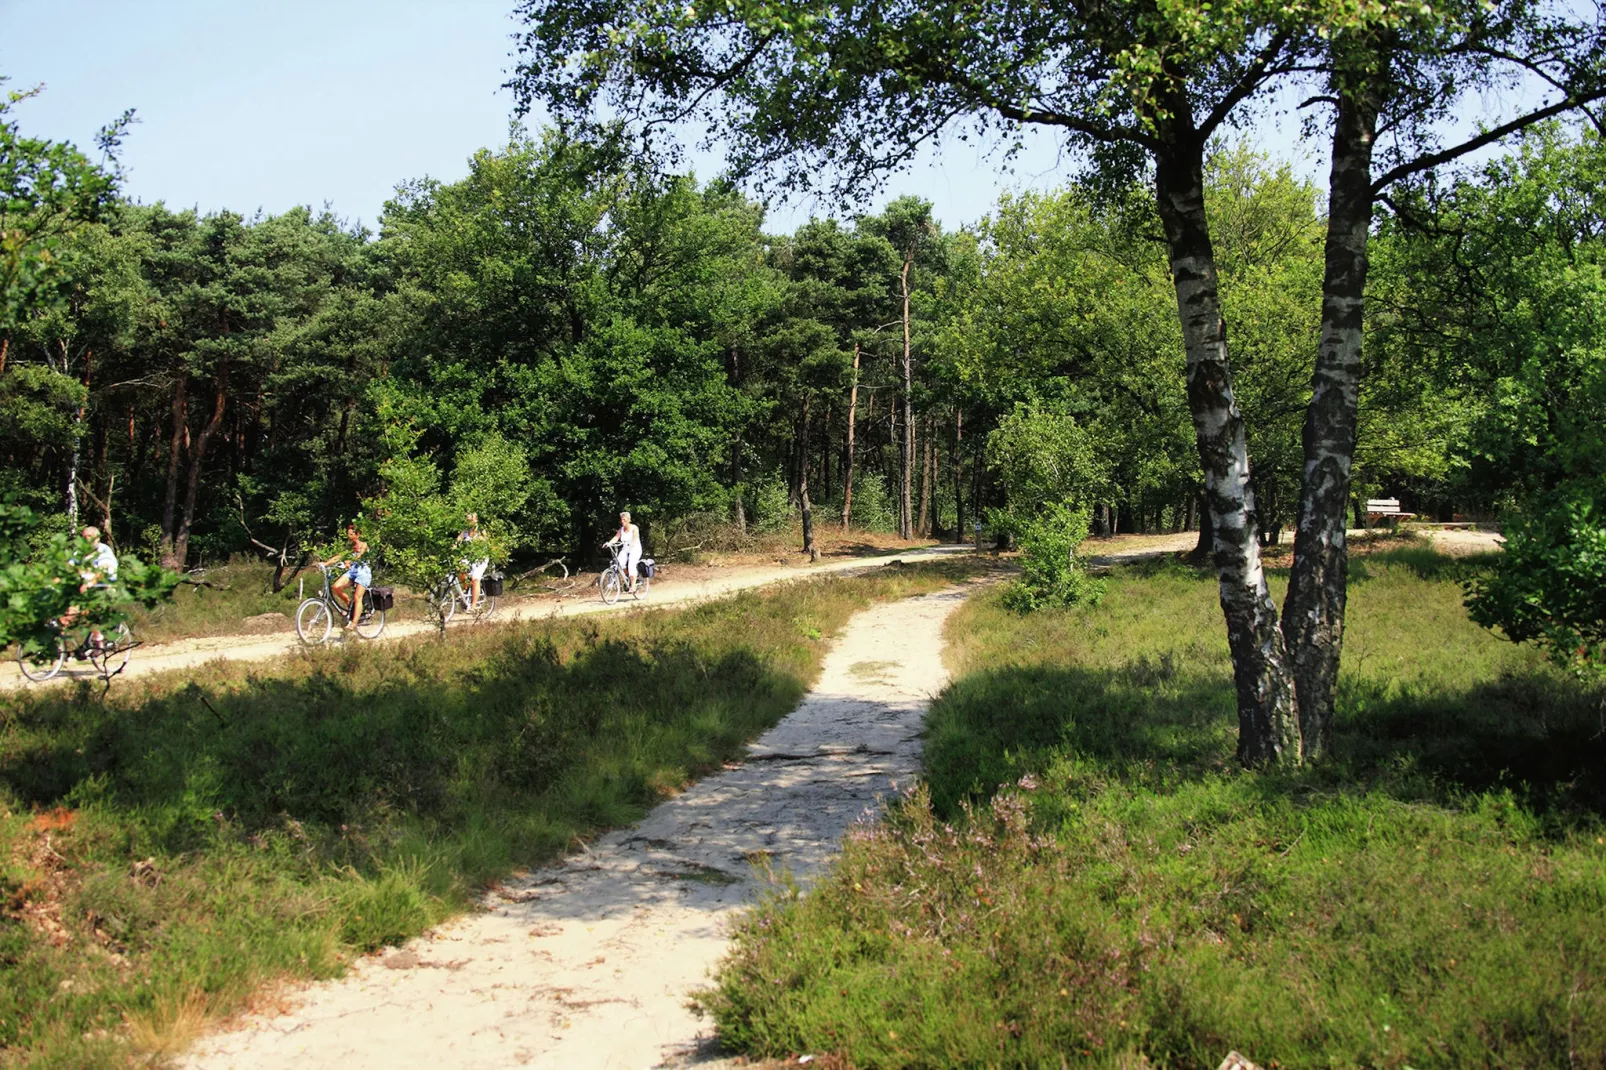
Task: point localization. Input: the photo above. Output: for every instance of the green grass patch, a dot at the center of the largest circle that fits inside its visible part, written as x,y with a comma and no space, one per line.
1088,877
219,601
166,852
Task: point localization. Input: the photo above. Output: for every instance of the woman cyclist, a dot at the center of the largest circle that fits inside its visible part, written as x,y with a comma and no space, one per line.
474,540
628,539
357,575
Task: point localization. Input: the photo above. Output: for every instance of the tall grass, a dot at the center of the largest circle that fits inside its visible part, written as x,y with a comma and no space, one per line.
1087,876
167,852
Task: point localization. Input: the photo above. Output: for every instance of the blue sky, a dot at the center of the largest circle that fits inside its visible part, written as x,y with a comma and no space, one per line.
254,105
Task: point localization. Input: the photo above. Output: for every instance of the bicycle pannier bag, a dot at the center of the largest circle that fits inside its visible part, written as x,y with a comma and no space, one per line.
384,598
649,567
492,585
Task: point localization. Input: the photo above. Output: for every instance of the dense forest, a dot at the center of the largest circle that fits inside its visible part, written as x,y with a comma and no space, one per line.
211,384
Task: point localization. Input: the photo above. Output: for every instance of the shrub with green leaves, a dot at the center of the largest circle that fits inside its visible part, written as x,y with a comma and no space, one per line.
417,519
40,579
1049,572
770,508
1549,587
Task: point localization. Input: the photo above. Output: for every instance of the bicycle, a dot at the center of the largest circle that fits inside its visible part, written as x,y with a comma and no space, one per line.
449,595
614,580
315,617
109,654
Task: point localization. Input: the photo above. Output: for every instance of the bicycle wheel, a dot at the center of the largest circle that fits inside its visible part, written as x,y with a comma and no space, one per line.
486,606
445,602
313,621
41,667
643,585
372,621
610,586
112,658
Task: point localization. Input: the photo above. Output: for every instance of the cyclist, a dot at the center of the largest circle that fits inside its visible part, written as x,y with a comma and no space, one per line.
96,574
628,539
358,574
476,569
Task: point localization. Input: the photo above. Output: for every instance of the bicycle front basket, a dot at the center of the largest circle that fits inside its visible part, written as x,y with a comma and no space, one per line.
383,598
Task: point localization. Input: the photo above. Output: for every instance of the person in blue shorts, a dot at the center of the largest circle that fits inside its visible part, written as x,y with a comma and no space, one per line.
358,575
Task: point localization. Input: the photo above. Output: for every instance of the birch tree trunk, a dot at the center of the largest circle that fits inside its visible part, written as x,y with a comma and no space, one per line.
906,444
1313,613
1268,717
847,453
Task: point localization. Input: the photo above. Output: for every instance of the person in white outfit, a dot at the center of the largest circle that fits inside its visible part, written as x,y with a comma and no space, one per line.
476,564
628,539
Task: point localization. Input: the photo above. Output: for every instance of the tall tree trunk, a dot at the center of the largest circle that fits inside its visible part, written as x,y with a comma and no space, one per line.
847,453
197,455
803,483
740,510
825,456
927,469
70,497
959,475
175,456
1268,715
906,444
733,379
1313,613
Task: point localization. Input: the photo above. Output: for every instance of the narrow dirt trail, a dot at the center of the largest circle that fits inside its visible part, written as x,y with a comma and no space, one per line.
192,653
587,964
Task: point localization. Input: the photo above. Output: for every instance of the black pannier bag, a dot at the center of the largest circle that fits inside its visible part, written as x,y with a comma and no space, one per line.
383,598
492,585
649,567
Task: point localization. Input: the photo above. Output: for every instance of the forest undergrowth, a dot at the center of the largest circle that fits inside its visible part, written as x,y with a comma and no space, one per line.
166,854
1087,876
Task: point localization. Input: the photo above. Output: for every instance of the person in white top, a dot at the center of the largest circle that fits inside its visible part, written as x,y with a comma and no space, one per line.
628,539
474,539
98,572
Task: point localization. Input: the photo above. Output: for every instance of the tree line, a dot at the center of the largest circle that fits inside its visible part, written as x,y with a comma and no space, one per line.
597,332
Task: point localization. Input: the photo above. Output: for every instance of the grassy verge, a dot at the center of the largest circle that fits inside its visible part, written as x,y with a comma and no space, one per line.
226,597
1434,897
164,854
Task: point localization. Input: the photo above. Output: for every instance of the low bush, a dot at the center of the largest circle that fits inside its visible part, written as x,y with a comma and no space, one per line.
164,853
1088,878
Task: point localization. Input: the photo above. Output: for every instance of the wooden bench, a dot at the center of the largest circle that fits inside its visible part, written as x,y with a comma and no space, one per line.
1385,509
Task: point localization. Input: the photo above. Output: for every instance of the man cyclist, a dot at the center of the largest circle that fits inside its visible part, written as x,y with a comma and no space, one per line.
628,540
358,575
98,573
476,569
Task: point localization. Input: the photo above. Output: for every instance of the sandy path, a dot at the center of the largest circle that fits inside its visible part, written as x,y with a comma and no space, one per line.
190,653
587,963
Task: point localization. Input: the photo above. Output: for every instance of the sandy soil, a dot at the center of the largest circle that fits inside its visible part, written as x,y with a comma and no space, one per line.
677,586
588,963
1453,541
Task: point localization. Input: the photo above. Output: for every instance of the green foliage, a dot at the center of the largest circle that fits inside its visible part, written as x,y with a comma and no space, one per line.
1042,455
1049,574
768,509
1548,586
343,803
417,520
1086,877
46,189
40,581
